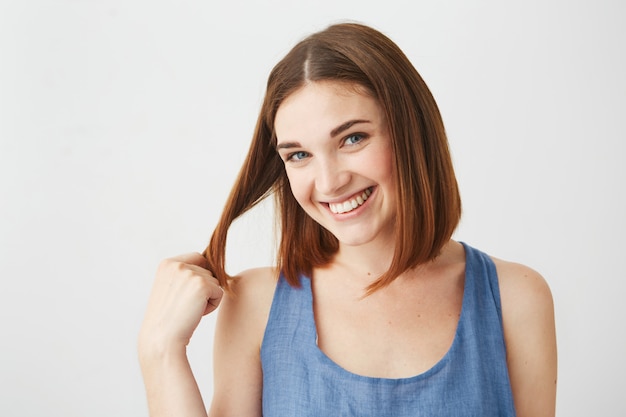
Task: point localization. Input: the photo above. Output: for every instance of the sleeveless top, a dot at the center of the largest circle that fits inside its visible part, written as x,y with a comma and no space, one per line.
470,380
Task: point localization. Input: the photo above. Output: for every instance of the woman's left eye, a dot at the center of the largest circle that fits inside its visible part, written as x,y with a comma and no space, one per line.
354,139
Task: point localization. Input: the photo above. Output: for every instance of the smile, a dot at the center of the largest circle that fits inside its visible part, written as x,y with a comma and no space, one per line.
351,204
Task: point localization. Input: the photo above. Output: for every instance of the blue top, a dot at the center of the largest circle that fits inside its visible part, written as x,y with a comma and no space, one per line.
470,380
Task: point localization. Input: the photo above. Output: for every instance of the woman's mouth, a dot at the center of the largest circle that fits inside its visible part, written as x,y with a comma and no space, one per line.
350,204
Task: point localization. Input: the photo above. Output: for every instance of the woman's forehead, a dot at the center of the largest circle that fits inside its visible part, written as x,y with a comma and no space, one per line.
325,105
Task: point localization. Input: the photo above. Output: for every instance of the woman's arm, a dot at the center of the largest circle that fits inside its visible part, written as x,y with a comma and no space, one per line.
170,385
183,291
243,315
530,336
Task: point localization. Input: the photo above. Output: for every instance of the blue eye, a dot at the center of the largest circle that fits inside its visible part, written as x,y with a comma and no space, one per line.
297,156
354,139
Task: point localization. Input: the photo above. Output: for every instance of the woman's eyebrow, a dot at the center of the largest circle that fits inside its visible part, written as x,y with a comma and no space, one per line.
347,125
288,145
336,131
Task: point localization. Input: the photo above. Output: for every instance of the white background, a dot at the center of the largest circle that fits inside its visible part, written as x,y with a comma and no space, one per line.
123,124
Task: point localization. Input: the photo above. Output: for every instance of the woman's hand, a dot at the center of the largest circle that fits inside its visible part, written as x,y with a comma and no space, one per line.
183,292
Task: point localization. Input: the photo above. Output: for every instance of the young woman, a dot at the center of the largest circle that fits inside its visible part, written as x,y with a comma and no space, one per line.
372,309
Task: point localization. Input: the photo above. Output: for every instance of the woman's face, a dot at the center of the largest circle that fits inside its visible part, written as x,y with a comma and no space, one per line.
338,157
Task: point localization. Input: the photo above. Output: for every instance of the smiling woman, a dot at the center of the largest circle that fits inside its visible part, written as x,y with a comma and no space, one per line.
340,171
372,308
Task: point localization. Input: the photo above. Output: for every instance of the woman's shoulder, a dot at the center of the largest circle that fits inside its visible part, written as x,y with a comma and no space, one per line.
253,289
247,302
245,306
522,289
530,337
263,278
242,317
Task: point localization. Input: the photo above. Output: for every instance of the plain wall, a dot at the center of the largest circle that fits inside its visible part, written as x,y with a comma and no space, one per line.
124,123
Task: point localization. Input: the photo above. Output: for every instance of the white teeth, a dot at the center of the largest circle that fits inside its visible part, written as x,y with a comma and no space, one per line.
351,204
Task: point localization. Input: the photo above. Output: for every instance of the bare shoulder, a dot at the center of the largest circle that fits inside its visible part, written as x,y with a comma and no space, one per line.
241,321
522,289
249,299
254,280
530,337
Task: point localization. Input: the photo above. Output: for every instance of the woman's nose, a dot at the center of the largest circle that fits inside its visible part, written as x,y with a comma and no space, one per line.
331,177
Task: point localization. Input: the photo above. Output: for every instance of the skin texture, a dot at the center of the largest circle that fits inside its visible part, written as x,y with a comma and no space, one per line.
334,143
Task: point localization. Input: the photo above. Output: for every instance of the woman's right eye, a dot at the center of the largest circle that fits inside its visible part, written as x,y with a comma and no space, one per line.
297,156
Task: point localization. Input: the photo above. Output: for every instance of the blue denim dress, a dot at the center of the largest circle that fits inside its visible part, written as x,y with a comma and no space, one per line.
470,380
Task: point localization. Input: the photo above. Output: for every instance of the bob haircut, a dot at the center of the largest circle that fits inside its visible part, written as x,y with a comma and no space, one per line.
429,206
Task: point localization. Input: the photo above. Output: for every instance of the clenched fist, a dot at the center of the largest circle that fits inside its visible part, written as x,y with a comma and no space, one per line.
184,291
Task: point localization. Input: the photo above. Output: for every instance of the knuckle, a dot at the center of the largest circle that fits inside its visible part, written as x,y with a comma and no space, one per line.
195,283
164,266
172,268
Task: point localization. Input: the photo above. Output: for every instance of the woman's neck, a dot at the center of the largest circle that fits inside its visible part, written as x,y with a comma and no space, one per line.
366,263
369,261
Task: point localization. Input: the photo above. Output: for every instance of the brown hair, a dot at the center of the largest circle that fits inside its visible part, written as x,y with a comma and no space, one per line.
429,206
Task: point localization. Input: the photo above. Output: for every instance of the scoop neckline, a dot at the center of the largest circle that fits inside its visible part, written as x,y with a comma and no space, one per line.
326,360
